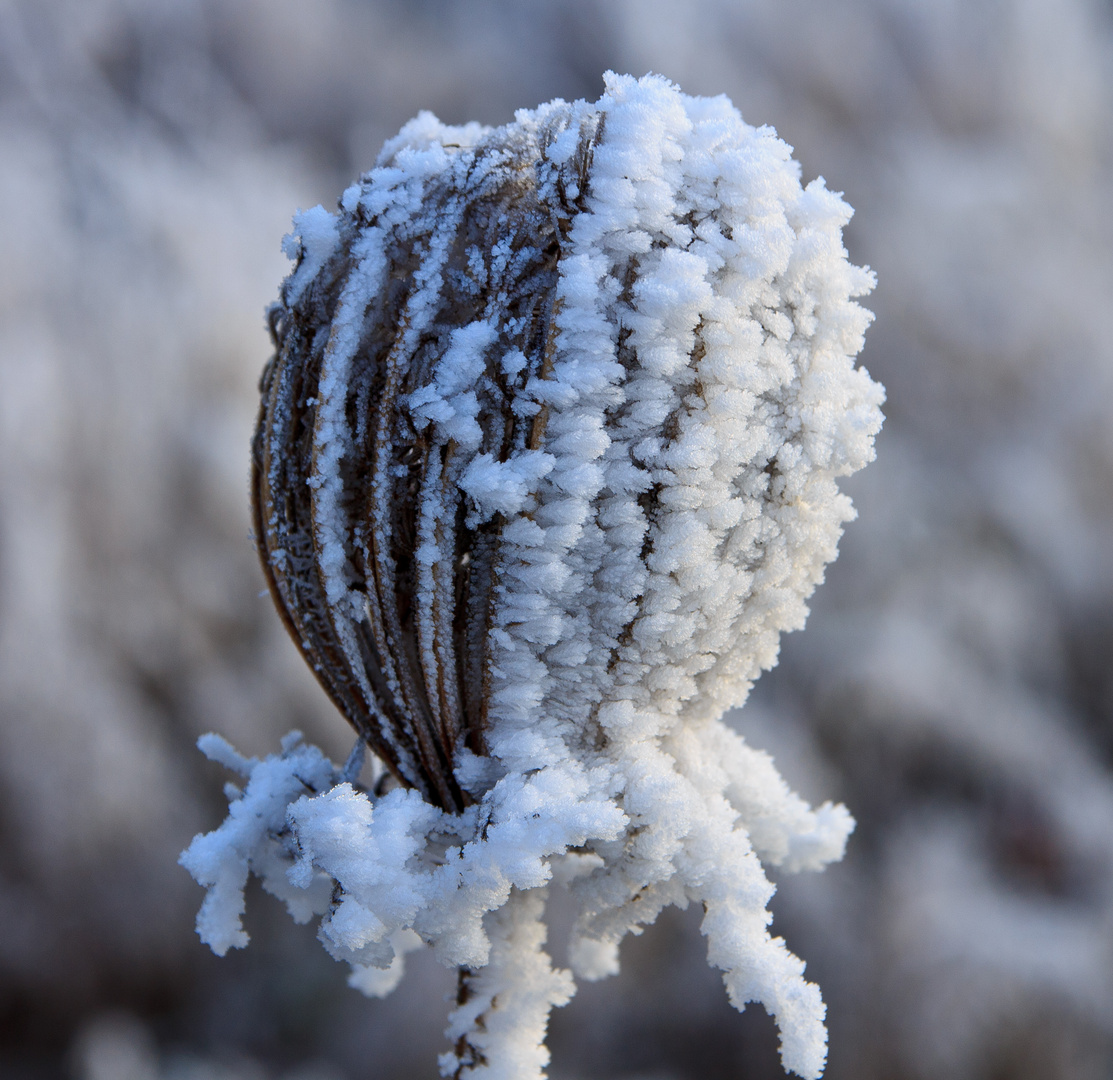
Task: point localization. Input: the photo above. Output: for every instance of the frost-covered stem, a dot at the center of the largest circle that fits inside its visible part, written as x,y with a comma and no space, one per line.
502,1010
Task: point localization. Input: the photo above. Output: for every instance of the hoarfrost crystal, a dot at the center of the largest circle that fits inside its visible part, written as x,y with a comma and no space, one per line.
546,462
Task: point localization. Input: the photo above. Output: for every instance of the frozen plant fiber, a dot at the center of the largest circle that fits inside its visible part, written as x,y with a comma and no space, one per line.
546,462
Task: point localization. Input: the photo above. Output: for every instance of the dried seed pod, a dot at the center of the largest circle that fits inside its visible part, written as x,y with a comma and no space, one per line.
363,529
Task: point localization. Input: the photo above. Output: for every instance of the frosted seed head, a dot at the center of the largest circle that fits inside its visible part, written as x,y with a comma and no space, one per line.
554,421
546,461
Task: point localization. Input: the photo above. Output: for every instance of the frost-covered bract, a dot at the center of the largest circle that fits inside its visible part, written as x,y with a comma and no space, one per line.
546,462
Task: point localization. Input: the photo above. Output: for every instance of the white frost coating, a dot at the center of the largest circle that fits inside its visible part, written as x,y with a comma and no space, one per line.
700,402
449,401
314,239
504,487
222,860
509,1043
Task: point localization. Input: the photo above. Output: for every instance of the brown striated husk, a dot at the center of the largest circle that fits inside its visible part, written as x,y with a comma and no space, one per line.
415,707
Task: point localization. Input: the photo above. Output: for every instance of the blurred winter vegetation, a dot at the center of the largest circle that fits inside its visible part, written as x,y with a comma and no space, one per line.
954,686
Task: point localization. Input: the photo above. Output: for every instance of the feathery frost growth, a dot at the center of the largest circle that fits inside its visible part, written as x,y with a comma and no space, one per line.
546,462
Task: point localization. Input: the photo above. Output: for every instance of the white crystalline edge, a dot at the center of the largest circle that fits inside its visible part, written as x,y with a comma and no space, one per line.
609,669
314,238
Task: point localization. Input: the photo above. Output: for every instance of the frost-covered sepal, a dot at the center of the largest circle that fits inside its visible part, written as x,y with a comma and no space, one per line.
254,838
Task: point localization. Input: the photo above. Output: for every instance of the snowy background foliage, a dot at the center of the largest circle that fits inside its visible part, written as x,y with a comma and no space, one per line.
952,687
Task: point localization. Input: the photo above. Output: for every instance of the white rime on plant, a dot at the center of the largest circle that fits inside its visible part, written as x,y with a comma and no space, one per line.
606,352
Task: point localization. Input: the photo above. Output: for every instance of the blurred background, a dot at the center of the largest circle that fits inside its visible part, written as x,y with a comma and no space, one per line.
954,686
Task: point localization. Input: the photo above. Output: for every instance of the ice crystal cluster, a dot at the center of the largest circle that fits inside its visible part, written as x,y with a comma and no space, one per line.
546,462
